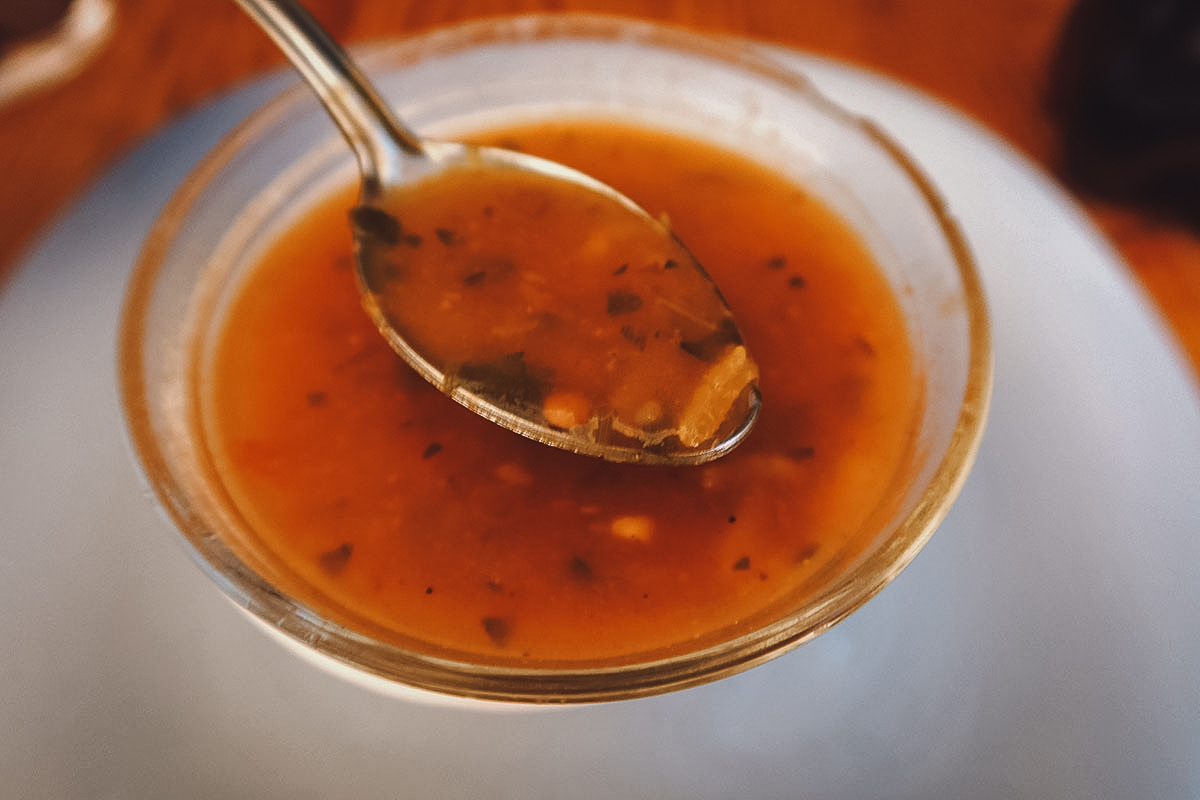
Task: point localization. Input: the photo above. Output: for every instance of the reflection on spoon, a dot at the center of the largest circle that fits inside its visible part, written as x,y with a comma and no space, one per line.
534,295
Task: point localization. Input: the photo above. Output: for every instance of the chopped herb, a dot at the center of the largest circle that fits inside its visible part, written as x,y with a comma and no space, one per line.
497,629
732,519
428,590
447,236
508,381
806,553
432,450
376,225
864,346
742,563
621,269
801,453
777,262
580,569
487,269
670,264
334,561
633,336
316,399
708,348
797,282
376,233
623,302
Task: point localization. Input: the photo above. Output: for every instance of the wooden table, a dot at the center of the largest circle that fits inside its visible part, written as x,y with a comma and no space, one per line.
990,59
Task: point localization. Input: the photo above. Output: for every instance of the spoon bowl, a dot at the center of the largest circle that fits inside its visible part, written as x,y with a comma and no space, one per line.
681,389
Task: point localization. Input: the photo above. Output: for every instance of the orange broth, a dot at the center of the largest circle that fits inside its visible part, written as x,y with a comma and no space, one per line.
390,508
556,303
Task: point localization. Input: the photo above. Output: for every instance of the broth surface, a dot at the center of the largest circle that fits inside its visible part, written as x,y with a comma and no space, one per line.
558,304
387,506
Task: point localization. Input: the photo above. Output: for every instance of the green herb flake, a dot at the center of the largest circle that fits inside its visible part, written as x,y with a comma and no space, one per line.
487,269
622,302
508,381
864,346
806,552
633,336
335,560
711,346
579,569
376,225
497,629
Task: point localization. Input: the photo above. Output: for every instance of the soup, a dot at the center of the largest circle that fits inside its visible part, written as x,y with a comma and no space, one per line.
386,506
554,302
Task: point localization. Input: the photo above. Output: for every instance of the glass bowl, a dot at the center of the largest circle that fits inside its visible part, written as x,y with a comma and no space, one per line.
505,70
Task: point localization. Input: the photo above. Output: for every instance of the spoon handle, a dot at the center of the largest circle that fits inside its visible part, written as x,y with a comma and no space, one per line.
364,118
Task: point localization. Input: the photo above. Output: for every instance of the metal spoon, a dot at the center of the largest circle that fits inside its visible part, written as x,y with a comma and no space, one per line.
655,370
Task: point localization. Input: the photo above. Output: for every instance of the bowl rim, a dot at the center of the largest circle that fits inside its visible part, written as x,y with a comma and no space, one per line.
392,663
